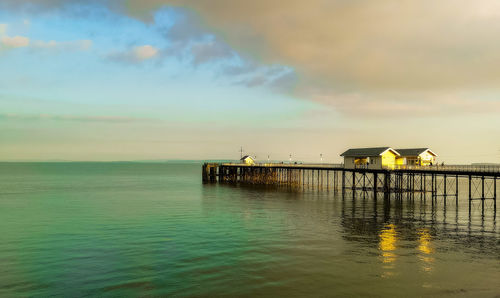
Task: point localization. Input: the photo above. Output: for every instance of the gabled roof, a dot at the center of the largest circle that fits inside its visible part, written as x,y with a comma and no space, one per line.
361,152
245,157
414,151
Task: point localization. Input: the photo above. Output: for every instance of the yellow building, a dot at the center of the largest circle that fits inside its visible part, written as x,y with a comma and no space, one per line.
248,160
416,157
371,158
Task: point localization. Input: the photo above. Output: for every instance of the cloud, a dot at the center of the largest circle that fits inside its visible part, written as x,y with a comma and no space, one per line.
135,55
188,38
41,6
15,41
285,82
369,48
7,41
402,105
145,52
186,29
189,41
210,51
342,45
10,42
383,44
276,77
23,42
78,45
338,48
239,69
113,119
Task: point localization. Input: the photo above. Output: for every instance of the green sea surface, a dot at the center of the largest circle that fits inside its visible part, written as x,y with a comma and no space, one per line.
153,229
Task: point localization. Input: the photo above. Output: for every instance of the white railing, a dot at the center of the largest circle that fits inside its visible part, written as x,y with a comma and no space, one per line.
461,168
288,164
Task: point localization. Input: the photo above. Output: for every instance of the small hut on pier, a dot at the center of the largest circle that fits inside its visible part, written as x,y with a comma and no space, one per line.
416,157
248,160
371,158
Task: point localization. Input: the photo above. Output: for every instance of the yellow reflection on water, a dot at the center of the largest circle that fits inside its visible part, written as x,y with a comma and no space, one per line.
388,243
387,246
426,249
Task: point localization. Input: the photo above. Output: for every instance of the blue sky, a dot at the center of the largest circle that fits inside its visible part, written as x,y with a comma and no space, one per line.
121,80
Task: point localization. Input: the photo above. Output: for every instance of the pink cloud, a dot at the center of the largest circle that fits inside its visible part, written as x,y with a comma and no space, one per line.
16,41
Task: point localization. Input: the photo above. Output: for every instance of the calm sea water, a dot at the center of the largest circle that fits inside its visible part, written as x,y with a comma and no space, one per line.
132,229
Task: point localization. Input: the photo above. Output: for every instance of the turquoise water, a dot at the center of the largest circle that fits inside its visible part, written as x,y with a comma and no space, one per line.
144,229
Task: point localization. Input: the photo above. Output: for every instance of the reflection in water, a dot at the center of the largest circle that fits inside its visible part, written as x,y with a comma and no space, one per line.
426,249
387,246
408,234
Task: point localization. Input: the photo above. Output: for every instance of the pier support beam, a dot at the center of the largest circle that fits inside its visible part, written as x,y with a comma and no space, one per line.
444,189
343,183
470,193
335,183
482,193
387,185
495,195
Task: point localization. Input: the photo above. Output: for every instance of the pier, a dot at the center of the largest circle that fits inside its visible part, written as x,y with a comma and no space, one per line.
448,183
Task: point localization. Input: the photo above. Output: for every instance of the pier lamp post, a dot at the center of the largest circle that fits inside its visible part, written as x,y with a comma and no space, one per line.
321,157
267,158
290,158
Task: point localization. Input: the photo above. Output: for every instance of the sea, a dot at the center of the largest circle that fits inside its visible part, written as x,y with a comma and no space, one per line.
128,229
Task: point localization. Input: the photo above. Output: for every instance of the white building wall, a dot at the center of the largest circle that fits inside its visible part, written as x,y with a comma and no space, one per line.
349,162
427,157
375,163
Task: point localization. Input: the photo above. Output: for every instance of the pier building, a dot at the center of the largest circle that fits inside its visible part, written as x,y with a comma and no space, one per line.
248,160
416,157
370,158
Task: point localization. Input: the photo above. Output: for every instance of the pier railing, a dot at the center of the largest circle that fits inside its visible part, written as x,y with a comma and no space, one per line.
454,168
287,164
435,168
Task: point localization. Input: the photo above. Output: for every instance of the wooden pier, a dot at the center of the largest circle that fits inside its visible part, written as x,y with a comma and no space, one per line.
434,182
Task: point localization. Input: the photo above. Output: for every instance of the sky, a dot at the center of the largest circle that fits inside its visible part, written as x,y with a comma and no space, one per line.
164,79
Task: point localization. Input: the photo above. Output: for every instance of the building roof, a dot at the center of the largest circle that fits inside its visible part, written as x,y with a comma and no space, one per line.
414,151
245,157
361,152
